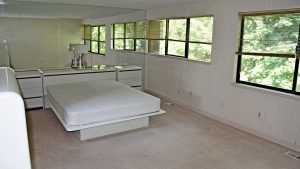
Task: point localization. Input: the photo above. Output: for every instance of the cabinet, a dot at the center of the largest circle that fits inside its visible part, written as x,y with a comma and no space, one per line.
33,84
30,84
131,76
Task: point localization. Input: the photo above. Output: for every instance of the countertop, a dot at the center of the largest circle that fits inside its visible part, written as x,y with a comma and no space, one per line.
23,73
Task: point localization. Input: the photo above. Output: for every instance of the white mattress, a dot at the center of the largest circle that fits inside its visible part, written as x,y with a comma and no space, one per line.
99,101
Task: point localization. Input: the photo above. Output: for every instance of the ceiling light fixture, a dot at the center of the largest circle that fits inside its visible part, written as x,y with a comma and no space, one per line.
2,2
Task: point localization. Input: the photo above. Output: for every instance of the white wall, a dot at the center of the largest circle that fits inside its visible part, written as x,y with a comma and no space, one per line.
40,43
211,85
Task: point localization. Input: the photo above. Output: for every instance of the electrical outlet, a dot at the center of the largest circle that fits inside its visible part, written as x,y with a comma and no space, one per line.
190,93
259,114
178,91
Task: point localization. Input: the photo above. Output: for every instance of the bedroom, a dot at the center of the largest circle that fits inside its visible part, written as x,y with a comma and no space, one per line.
214,108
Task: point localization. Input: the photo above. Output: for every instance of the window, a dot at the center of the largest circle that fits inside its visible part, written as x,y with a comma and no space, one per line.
94,37
118,36
140,36
177,37
102,39
87,35
266,55
129,36
185,37
157,37
189,37
200,38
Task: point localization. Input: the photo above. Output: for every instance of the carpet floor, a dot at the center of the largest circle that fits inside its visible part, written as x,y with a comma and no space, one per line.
179,139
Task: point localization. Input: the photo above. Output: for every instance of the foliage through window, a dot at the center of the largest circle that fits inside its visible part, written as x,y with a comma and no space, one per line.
94,37
157,36
177,37
266,56
129,36
200,38
188,37
87,35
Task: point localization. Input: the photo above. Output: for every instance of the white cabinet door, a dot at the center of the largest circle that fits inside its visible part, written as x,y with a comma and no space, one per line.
31,91
30,83
131,78
73,78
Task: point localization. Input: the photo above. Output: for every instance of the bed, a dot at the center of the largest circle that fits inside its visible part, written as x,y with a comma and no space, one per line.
101,108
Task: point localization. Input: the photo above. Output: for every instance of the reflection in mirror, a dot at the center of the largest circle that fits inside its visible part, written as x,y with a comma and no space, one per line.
39,34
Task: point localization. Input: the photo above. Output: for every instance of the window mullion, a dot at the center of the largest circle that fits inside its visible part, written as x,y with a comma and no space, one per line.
114,36
124,36
167,37
98,40
187,39
296,71
294,88
240,51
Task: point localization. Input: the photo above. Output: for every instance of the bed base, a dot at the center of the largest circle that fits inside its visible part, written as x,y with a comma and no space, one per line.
94,132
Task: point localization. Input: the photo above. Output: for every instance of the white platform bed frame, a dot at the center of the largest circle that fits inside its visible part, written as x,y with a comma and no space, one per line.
103,128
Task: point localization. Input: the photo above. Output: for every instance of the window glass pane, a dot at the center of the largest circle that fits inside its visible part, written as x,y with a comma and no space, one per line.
201,29
102,48
157,29
102,33
140,30
176,48
269,71
157,46
129,44
177,29
198,51
271,33
95,33
87,32
94,47
88,42
82,31
119,44
119,30
129,30
140,45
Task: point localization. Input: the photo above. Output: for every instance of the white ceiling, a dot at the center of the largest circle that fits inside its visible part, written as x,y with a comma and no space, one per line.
57,10
133,4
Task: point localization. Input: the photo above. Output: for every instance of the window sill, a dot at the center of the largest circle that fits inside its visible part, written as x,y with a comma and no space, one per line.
166,56
266,91
97,53
180,58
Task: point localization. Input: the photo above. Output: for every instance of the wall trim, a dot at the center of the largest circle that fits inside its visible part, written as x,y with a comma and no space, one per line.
230,123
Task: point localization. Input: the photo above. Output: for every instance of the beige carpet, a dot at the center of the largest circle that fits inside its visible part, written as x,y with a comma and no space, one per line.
180,139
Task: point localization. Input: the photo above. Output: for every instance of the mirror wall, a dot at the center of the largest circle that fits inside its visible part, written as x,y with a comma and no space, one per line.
38,34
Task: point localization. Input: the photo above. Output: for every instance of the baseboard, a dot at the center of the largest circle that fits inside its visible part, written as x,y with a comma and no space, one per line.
230,123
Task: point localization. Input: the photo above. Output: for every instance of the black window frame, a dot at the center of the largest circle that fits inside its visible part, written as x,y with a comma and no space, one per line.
90,39
187,40
158,39
166,39
124,38
85,39
100,41
97,41
240,54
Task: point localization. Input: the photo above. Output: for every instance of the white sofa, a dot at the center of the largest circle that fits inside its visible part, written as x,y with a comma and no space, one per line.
14,149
